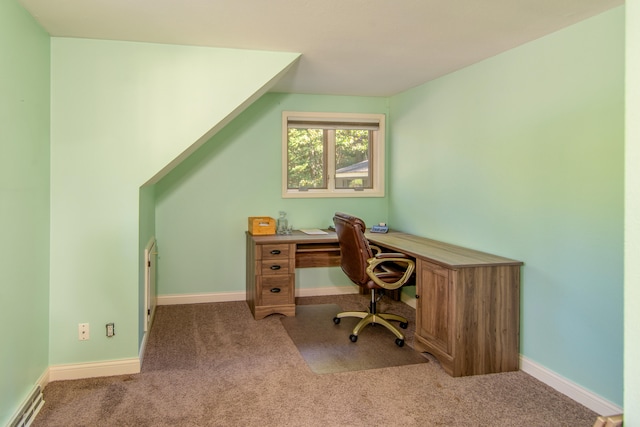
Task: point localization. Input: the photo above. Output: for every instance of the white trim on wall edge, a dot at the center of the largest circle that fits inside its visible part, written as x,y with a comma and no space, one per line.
576,392
108,368
143,346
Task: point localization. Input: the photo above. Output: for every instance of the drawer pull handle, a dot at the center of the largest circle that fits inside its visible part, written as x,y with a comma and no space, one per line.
275,267
275,252
417,296
275,290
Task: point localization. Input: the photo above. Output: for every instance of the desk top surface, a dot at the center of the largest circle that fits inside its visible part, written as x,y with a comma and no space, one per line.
296,236
439,252
446,254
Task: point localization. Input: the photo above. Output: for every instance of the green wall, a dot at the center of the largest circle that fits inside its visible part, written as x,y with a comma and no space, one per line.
203,205
632,218
122,112
539,127
521,155
24,205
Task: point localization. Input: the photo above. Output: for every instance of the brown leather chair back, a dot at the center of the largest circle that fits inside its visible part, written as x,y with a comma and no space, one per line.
354,248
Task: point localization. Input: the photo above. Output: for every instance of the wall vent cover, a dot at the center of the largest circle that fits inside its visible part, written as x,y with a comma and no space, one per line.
29,410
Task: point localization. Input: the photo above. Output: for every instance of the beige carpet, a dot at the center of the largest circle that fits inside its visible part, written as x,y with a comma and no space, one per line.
214,365
327,349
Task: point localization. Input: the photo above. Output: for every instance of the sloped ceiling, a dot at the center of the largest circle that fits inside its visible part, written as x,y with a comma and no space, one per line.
349,47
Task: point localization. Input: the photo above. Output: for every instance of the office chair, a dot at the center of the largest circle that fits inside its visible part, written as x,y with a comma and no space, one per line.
371,271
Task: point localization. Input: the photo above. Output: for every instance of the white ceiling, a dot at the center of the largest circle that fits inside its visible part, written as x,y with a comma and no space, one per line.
349,47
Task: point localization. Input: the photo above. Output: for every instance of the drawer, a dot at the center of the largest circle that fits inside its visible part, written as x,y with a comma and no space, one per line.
276,290
274,266
275,251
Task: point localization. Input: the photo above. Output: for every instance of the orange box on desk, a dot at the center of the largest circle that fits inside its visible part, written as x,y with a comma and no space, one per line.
262,225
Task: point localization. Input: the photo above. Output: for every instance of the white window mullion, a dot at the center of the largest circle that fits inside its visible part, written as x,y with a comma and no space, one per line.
331,160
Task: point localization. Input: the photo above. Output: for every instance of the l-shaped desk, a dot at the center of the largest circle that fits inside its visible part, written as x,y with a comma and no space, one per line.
467,301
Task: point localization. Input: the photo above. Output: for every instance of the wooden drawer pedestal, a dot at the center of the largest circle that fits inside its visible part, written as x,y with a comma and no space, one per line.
270,278
271,264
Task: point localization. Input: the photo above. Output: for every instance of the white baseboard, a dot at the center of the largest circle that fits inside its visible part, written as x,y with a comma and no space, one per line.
578,393
177,299
44,379
410,301
77,371
331,290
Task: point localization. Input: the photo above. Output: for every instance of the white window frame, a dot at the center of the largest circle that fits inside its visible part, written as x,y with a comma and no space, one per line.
378,151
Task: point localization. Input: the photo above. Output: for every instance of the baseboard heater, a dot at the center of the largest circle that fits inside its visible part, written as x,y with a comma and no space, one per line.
29,410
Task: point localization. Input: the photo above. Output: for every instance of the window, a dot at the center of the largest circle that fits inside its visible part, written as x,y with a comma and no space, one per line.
332,155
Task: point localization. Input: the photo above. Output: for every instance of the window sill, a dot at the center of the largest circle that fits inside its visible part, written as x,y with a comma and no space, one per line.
311,194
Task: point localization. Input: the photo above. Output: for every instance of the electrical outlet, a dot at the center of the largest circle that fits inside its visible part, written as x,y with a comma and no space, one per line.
111,329
83,331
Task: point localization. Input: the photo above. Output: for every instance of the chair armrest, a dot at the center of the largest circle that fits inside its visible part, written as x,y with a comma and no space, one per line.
391,255
395,258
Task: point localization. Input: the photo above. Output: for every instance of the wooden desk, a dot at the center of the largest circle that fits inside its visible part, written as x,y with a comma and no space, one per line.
467,301
467,304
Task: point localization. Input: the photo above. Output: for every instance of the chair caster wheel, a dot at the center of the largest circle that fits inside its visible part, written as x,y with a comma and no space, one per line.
336,320
404,325
353,338
399,342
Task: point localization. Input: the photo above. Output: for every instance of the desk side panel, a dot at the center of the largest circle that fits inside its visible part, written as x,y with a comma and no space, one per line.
251,272
487,319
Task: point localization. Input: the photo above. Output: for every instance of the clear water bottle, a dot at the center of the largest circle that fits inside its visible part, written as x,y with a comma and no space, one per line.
282,224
